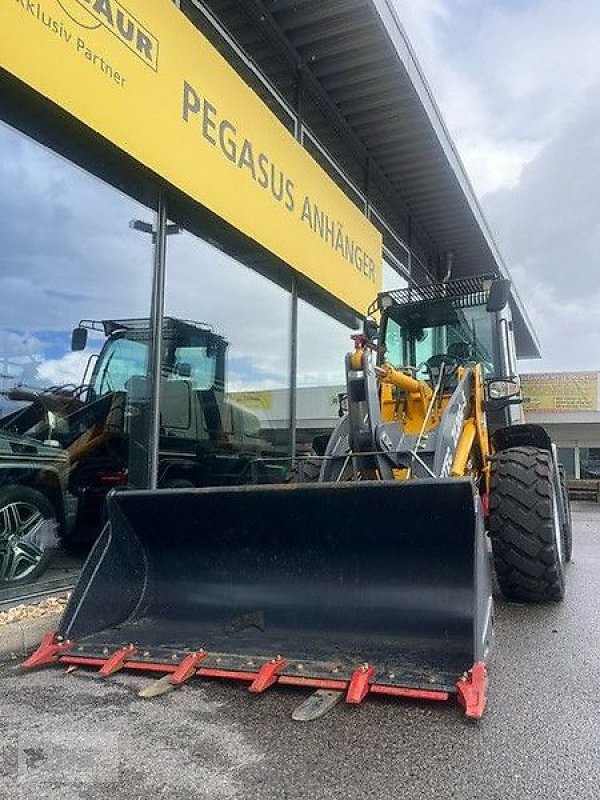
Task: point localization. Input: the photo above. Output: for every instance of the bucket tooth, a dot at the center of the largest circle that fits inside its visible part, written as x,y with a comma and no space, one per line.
317,705
157,688
471,691
116,661
48,652
359,685
185,670
267,675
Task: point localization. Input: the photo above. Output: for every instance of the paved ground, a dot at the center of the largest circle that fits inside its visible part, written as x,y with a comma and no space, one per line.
72,737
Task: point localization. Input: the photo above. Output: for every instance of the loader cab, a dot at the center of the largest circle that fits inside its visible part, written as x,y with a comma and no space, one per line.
191,353
421,337
196,417
460,323
192,380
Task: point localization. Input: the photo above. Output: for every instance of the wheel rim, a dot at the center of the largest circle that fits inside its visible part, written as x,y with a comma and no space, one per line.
558,532
19,555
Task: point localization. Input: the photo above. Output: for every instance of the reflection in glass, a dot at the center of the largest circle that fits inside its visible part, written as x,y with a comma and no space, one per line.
67,253
240,384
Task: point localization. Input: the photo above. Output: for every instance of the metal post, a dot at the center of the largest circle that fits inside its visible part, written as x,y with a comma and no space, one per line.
156,330
577,459
292,408
293,366
409,236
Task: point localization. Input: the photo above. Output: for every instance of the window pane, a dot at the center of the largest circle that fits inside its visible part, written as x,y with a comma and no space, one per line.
322,346
589,458
413,337
566,457
225,400
67,254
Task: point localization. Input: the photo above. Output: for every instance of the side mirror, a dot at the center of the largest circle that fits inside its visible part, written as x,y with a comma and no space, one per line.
499,295
79,339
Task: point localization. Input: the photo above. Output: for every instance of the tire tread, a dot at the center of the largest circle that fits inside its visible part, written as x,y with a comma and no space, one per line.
521,526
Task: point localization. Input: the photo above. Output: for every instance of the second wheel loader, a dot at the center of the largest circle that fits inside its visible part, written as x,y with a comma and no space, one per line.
376,578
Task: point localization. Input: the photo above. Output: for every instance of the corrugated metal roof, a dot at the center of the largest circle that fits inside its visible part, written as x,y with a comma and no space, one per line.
366,99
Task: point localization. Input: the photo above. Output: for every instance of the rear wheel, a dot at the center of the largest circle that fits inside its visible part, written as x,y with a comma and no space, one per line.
27,534
525,526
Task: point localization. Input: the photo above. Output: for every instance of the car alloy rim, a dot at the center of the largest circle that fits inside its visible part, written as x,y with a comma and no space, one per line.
19,557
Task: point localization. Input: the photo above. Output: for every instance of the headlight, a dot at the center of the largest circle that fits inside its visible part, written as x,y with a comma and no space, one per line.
498,389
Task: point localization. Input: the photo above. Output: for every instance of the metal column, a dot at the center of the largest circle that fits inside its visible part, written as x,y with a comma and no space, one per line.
293,366
292,407
156,331
577,459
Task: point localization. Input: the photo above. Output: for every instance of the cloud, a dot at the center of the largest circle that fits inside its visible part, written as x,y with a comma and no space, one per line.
253,314
67,369
517,83
67,251
506,75
20,356
549,229
519,86
68,254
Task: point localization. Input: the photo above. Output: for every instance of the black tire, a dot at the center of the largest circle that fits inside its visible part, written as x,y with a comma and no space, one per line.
568,521
525,526
26,544
305,470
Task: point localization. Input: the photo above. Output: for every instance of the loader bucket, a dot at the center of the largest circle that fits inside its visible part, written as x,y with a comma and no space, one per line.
319,580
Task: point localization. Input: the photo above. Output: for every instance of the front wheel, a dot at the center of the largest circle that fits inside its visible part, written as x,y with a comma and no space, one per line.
525,526
28,528
568,520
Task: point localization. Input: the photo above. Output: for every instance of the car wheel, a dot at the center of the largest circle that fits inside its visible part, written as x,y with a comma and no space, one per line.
28,534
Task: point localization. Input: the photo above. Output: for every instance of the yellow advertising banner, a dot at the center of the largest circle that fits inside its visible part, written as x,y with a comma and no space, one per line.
255,401
139,73
560,391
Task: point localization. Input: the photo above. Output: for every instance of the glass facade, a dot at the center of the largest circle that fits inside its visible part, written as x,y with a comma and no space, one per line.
246,376
68,255
239,414
566,458
589,460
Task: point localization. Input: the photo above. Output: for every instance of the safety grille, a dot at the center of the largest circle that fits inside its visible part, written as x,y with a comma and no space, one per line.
464,292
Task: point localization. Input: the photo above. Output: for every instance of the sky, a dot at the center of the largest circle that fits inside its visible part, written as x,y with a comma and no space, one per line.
518,84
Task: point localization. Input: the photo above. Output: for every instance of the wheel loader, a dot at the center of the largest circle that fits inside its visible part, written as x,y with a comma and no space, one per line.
62,452
373,580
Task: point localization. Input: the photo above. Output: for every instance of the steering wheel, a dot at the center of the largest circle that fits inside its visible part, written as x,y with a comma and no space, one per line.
437,360
434,364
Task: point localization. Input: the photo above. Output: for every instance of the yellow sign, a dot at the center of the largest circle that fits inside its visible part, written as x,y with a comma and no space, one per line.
141,75
255,401
560,391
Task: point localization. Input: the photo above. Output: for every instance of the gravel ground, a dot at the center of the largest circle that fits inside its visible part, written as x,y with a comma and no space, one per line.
29,611
72,736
